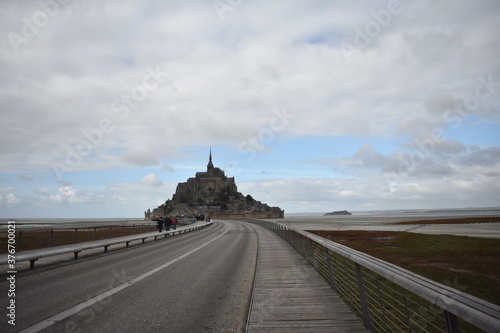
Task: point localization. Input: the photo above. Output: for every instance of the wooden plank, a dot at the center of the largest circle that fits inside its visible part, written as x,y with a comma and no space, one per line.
290,296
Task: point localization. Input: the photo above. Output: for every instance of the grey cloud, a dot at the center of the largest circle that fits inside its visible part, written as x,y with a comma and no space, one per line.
438,103
25,177
83,65
374,192
435,146
434,47
140,156
486,157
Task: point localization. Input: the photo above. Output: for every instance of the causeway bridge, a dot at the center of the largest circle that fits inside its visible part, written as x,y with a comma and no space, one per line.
228,276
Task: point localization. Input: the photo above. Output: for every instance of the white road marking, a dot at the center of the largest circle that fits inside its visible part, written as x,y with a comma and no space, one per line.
82,306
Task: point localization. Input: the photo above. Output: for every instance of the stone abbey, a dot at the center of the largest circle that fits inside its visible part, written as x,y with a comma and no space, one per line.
212,193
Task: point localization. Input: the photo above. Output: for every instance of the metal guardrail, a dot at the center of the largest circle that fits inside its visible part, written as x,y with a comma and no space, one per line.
37,238
386,297
33,256
30,239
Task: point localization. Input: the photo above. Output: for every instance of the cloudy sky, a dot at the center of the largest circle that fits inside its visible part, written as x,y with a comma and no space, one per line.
312,106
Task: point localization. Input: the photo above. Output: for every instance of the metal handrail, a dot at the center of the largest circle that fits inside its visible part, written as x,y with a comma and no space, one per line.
454,303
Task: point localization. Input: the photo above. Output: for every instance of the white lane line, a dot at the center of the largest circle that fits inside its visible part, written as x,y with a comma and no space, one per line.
82,306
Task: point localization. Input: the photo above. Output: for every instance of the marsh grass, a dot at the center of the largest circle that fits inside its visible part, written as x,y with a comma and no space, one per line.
469,264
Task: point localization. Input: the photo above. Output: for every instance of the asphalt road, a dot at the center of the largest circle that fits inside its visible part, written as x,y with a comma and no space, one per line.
195,282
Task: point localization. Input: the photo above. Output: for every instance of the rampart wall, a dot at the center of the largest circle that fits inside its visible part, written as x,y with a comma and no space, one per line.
247,215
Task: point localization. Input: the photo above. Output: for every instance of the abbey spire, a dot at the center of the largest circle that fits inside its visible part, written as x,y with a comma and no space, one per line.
210,165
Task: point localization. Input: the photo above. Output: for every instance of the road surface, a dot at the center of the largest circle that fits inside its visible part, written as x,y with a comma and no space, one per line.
195,282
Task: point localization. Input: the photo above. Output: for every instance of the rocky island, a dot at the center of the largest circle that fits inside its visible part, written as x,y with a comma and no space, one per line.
338,212
212,193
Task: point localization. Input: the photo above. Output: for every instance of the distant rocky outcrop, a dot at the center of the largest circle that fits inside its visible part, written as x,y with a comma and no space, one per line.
213,193
338,212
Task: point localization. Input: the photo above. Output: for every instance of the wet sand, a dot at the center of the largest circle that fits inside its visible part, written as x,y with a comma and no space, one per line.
487,224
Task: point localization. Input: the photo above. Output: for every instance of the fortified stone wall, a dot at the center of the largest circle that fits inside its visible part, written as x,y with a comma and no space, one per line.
249,215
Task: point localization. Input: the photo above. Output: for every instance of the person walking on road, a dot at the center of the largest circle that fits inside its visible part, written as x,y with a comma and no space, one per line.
174,223
160,225
168,222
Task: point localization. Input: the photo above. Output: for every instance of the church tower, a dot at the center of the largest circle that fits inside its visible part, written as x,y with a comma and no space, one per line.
210,165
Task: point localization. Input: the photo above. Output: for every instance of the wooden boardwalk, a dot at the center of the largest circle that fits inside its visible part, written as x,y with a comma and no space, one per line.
290,296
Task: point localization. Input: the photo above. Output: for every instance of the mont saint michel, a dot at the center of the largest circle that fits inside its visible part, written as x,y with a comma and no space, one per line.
212,193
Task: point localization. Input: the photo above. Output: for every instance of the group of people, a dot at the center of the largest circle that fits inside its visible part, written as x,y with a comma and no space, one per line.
171,222
167,222
201,217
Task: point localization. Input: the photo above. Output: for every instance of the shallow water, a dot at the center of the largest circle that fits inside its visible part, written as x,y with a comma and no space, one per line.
383,222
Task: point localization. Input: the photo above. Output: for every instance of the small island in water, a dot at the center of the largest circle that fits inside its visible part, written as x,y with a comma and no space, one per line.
338,212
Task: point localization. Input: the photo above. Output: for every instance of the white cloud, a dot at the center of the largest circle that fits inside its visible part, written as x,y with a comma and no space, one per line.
151,180
9,199
74,99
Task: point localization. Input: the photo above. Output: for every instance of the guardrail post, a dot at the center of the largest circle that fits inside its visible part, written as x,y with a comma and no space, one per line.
50,237
302,244
333,282
362,296
407,314
18,248
451,322
313,255
291,238
285,235
380,301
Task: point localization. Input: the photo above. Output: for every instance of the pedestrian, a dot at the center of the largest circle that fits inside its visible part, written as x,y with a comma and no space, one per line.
174,223
160,225
168,222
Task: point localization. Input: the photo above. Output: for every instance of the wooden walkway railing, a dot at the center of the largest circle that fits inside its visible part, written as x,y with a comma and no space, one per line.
289,296
386,297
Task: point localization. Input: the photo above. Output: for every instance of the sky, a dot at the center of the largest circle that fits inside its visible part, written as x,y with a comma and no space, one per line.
312,106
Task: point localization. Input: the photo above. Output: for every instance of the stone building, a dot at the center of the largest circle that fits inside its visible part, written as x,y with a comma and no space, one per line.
202,189
213,193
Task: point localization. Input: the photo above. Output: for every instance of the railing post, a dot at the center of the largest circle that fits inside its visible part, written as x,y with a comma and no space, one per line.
333,282
302,244
313,255
362,296
18,248
337,264
381,301
407,314
451,322
295,242
50,237
286,236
